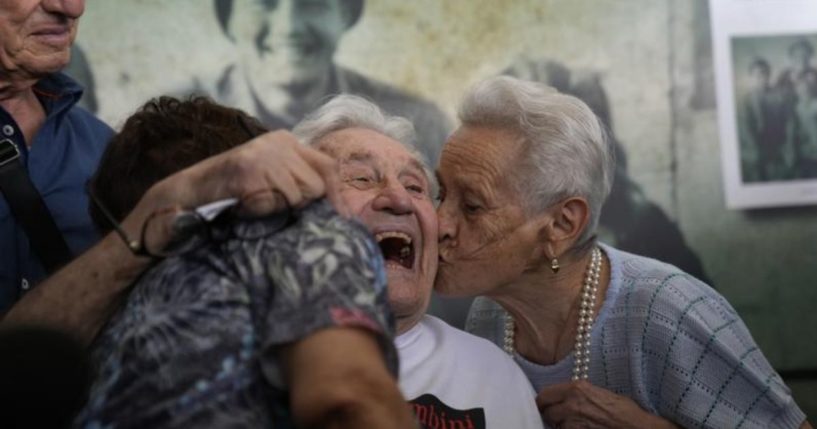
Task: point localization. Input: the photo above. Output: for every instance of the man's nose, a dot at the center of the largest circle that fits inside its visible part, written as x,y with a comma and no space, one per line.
393,198
68,8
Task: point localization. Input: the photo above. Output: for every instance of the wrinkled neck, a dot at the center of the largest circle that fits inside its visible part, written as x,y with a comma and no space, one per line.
404,324
545,308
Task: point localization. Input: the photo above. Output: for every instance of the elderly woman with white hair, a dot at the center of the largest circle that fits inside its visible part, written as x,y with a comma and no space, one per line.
607,338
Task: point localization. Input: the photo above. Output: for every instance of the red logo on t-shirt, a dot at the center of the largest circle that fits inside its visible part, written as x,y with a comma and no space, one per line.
432,413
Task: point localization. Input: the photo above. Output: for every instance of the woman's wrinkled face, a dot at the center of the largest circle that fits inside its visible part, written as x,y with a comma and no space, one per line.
486,240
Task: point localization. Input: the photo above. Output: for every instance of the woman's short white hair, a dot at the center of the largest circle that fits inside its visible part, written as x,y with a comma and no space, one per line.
566,151
351,111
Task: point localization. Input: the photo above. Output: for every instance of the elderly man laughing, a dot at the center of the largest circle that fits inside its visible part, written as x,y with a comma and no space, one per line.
388,187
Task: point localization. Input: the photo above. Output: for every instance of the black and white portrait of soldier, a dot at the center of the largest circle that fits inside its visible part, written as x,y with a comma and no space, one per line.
764,112
776,107
286,66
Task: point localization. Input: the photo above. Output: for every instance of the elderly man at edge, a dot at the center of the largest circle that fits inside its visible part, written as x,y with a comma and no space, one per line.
608,339
452,379
58,143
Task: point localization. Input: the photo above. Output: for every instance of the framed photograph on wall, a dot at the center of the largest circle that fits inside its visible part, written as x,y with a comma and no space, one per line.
765,57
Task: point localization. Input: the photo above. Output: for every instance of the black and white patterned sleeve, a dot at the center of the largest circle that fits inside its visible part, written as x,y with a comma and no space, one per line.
327,271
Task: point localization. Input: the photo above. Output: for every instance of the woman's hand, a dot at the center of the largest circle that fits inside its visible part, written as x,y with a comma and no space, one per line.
579,404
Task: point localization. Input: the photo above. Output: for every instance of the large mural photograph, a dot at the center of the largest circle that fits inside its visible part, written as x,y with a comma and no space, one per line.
644,67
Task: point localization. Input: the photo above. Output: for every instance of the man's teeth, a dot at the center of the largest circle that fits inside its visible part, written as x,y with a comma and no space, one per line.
405,252
393,234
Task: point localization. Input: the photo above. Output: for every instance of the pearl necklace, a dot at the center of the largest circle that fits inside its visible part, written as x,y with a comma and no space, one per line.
581,349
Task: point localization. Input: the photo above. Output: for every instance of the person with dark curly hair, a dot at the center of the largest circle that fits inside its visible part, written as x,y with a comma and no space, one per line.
262,322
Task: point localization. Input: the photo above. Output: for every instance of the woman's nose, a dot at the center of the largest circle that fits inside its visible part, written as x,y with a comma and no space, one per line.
446,225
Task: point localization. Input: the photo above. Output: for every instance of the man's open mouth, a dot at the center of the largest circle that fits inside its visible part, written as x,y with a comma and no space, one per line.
397,248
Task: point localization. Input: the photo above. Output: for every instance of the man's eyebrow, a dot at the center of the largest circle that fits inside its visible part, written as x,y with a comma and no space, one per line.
365,156
362,156
417,165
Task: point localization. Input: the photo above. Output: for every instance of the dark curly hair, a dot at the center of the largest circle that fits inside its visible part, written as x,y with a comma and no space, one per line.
164,136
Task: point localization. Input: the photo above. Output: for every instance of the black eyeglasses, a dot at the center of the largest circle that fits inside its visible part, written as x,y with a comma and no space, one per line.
135,246
190,228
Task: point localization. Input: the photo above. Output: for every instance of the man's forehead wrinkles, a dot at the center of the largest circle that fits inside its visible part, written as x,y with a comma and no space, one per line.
365,155
402,161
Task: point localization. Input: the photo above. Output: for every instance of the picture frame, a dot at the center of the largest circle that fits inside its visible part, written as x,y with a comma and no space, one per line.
767,132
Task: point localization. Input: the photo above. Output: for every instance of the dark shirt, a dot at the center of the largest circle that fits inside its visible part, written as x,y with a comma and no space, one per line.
764,133
766,113
194,345
65,153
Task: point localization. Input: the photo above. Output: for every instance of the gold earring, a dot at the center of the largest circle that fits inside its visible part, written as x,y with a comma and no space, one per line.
554,265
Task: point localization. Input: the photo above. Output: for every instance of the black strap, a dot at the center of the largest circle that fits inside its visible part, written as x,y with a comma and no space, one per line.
28,208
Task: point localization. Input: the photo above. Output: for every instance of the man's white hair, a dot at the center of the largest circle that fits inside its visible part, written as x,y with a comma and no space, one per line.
566,151
351,111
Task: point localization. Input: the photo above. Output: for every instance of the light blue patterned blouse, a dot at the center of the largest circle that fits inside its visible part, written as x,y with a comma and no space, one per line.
672,344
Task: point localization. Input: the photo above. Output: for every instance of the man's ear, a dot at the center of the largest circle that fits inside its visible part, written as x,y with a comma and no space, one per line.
565,222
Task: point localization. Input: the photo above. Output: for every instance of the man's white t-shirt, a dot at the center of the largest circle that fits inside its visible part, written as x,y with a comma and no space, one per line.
456,380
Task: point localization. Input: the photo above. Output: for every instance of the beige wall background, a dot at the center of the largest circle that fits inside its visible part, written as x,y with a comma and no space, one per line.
651,57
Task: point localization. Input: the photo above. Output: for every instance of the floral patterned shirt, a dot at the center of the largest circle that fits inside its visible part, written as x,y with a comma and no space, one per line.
193,346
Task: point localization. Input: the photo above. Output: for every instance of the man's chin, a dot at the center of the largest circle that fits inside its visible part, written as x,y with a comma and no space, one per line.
407,289
38,66
406,278
408,311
